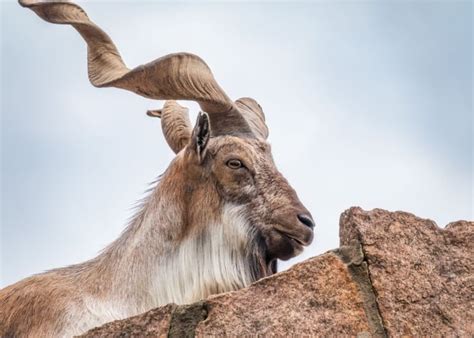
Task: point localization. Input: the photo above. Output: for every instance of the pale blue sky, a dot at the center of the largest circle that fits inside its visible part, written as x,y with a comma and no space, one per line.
368,103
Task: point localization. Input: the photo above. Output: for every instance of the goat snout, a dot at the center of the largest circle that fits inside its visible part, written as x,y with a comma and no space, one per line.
307,220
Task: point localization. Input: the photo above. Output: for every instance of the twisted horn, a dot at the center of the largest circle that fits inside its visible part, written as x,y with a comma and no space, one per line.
175,124
253,114
180,76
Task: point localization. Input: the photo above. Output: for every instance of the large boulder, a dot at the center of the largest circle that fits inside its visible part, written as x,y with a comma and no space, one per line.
394,274
423,275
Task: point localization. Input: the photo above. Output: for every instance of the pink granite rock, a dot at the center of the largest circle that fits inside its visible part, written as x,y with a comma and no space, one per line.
154,323
317,297
423,275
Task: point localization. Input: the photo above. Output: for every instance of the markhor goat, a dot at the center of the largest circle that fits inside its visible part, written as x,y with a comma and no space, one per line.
218,219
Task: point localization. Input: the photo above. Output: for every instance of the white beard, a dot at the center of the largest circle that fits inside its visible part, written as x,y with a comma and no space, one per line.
212,261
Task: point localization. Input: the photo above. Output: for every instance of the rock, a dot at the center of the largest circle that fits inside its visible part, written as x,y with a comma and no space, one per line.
154,323
394,274
422,275
317,297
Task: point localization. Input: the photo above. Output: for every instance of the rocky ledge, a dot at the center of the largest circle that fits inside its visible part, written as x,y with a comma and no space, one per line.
395,274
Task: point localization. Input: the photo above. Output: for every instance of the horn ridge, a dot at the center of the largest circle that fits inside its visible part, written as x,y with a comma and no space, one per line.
179,76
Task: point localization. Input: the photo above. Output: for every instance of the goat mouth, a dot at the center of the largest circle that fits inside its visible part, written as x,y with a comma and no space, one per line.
281,244
297,244
300,243
296,241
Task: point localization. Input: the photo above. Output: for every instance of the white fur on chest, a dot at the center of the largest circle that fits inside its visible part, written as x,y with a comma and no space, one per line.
93,312
211,262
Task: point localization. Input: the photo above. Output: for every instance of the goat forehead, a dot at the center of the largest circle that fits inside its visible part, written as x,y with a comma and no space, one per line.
250,147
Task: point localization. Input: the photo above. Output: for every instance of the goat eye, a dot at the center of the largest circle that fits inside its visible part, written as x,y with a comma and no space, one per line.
234,164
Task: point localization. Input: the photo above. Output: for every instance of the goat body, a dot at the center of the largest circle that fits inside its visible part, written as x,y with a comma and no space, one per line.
217,220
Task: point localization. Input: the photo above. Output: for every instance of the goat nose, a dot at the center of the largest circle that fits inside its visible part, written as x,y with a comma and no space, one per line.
306,220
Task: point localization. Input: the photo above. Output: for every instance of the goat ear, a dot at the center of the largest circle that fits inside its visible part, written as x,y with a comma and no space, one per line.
201,135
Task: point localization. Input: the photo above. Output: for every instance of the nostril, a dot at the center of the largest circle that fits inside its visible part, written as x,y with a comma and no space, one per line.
306,220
